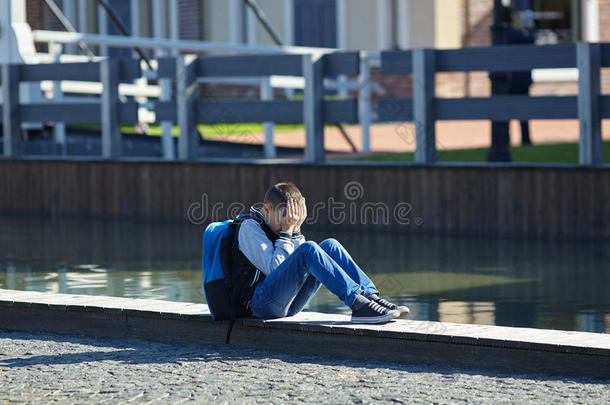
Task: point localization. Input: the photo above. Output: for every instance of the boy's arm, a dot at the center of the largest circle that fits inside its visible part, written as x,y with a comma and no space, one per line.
297,238
258,249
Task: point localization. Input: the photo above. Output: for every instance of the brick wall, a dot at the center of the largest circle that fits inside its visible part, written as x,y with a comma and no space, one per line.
34,14
479,15
604,20
477,18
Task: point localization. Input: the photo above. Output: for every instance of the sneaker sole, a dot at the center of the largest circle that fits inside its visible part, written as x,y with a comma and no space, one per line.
402,312
375,319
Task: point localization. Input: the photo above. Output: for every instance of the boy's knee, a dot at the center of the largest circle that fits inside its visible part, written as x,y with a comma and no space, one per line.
308,249
330,242
309,246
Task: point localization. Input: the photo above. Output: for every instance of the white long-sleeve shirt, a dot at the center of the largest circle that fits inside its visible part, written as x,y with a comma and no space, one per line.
260,251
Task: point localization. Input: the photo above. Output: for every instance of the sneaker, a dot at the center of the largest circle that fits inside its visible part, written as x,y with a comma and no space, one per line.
401,309
371,312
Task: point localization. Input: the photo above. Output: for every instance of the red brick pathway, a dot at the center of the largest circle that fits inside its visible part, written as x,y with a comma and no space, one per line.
400,137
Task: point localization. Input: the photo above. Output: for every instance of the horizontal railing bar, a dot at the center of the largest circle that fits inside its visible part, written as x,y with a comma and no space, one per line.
498,108
501,58
278,111
341,63
394,109
129,70
60,112
86,72
508,107
337,111
396,62
128,112
506,58
74,112
156,43
251,65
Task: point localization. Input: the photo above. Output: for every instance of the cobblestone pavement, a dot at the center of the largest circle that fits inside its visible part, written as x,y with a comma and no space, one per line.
46,368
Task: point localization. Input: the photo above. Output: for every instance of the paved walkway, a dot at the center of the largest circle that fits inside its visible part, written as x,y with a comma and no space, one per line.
47,368
400,137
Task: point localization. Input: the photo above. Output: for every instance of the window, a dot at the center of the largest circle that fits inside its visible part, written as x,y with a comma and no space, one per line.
556,21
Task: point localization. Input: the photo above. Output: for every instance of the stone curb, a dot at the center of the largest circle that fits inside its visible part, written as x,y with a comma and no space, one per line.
481,346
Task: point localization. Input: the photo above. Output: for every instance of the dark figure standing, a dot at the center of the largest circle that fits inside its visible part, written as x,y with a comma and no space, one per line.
520,82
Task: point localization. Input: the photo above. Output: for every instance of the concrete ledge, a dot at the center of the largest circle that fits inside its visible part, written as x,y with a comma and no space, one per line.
518,349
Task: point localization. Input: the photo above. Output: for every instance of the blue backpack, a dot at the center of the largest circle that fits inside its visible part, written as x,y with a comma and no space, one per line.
217,244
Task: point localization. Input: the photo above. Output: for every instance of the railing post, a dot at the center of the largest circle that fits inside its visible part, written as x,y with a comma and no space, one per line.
590,141
160,11
11,122
313,97
59,130
364,102
268,127
167,139
423,105
111,130
186,105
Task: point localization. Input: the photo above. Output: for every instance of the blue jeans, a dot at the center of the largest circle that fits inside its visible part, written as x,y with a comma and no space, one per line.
288,288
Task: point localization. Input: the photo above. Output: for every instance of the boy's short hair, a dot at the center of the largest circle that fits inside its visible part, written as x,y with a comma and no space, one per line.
280,193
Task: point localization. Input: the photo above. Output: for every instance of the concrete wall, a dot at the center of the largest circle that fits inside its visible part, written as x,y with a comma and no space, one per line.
274,10
215,20
421,23
361,26
145,18
448,23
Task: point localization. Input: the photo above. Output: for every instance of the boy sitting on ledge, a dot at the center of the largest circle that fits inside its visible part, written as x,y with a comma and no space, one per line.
276,272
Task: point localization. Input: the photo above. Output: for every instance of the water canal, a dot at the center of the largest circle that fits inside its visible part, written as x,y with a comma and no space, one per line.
510,282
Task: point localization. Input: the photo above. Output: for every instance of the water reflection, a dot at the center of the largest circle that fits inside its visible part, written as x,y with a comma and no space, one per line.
559,285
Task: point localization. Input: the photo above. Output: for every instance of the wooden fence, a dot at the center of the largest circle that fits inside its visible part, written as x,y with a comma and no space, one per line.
486,200
313,110
109,111
185,107
590,106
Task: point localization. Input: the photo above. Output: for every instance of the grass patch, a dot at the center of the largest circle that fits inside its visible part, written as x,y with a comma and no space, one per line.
543,153
436,282
218,130
209,131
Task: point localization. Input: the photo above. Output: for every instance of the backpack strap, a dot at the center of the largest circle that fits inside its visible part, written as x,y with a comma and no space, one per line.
236,221
240,218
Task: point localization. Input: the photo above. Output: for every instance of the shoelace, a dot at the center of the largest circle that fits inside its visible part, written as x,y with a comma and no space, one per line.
386,303
376,307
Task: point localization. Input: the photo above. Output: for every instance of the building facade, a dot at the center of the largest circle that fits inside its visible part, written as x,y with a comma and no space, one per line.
370,25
